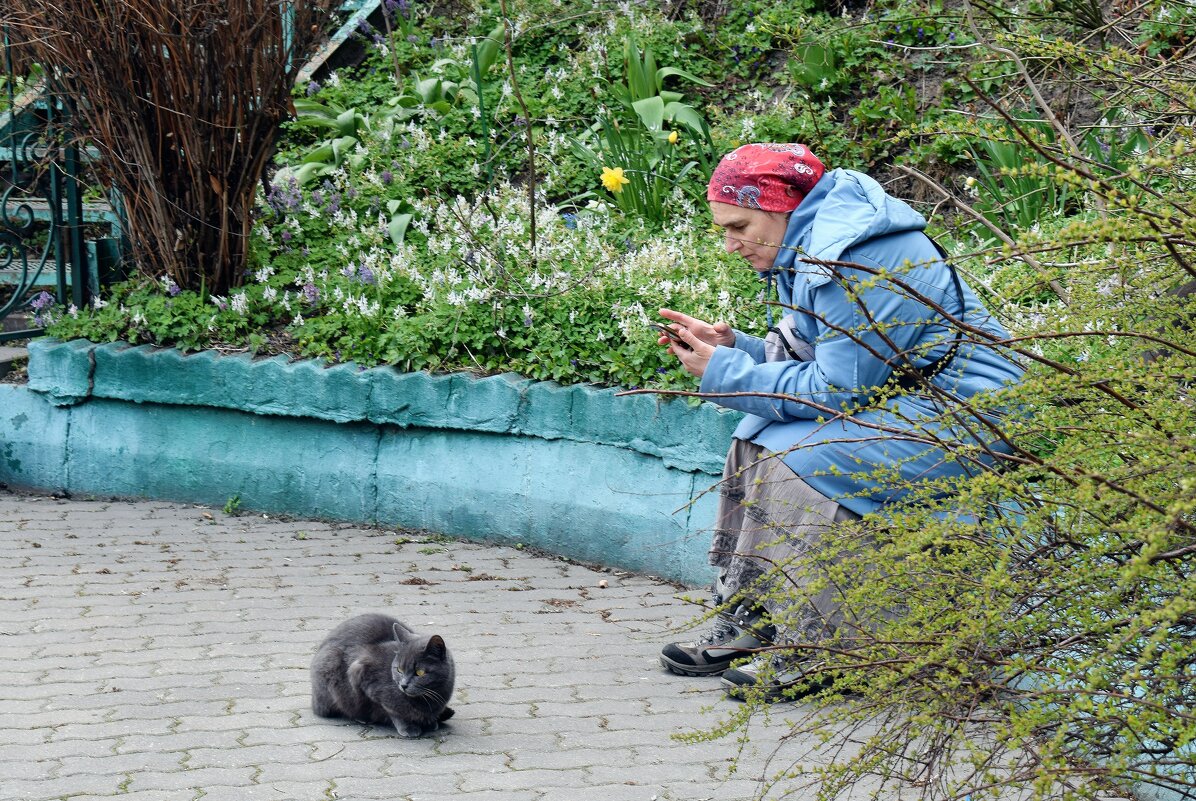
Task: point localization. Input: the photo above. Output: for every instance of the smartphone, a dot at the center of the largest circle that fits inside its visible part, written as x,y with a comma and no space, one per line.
671,334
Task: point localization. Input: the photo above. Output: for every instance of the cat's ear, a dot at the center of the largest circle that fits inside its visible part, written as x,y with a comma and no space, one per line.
436,647
399,632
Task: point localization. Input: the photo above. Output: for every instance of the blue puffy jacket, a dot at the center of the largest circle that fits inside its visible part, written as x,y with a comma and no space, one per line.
848,217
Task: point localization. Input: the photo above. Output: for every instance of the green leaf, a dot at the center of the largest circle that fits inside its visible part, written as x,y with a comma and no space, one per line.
637,81
321,155
487,52
397,227
310,108
650,112
346,122
342,146
668,72
428,90
687,116
812,64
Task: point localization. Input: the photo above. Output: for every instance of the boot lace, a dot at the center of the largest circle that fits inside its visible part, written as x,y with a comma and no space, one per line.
726,629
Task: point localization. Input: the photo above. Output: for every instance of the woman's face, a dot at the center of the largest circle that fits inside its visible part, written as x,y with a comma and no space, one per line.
752,233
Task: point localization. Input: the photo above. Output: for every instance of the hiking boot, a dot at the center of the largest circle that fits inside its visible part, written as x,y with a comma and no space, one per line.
778,676
733,637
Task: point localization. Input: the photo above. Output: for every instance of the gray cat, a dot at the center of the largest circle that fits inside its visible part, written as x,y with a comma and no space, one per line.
374,669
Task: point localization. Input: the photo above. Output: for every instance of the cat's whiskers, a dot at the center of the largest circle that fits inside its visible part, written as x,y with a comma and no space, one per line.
429,696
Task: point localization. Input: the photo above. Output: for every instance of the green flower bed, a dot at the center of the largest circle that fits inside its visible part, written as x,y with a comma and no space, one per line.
576,312
397,227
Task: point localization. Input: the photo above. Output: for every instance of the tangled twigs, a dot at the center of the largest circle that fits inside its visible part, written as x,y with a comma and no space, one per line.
183,101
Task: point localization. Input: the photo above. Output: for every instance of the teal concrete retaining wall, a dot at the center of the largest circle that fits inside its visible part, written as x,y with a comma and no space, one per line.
576,470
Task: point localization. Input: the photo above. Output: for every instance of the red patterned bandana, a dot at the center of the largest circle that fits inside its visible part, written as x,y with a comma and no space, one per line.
770,177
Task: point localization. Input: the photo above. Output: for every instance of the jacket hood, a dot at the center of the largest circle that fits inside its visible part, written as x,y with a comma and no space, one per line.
844,209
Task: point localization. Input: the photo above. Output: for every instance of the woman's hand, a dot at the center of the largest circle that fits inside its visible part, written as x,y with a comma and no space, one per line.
701,337
717,334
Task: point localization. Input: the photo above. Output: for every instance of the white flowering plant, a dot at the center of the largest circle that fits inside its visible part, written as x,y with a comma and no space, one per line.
468,292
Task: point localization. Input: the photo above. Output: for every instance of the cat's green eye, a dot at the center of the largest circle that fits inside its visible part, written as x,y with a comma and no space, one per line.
420,671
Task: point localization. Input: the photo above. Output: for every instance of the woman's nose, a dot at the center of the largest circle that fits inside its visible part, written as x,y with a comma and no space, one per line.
733,243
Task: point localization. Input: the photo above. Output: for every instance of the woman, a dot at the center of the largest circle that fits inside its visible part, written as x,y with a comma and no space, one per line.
865,295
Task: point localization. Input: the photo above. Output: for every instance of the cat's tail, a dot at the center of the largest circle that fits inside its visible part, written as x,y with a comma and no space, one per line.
446,714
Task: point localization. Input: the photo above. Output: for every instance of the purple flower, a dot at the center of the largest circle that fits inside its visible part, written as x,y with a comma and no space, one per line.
287,236
366,275
312,88
311,293
349,270
172,288
365,27
294,194
42,300
285,198
387,176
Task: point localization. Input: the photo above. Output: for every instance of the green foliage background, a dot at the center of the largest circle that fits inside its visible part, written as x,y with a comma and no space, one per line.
1044,642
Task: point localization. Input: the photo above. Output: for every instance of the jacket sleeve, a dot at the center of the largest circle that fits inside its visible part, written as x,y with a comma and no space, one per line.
753,346
851,357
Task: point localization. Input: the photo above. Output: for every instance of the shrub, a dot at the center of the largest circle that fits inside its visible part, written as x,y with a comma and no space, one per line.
183,100
1040,612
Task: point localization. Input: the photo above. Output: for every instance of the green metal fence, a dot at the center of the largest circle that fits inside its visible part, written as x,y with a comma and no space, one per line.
54,247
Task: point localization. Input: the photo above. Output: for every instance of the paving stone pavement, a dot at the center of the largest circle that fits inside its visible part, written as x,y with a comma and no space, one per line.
160,651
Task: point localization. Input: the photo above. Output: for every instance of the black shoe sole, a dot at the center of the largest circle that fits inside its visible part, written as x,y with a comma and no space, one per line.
777,692
698,671
739,692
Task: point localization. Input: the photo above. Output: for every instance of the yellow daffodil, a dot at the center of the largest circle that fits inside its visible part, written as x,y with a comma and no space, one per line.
673,137
613,179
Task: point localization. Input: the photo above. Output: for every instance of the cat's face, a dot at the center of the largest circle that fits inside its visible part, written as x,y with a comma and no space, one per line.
423,668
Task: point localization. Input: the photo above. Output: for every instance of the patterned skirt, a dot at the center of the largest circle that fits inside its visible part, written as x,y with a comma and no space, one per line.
769,538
